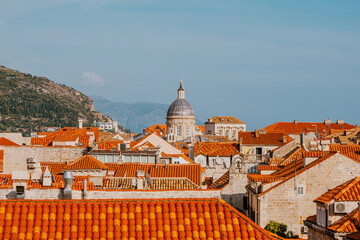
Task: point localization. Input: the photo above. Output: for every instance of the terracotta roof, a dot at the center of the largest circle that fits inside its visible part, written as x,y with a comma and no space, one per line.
351,151
305,127
268,139
146,145
148,219
348,191
289,171
268,168
7,142
85,162
43,141
158,129
215,149
347,224
109,145
54,167
221,182
68,134
191,171
66,138
200,128
182,146
224,119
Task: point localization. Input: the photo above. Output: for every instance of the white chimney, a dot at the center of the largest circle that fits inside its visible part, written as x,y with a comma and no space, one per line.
81,123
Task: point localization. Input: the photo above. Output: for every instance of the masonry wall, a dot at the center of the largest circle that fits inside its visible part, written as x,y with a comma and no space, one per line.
280,152
15,158
315,235
57,193
282,204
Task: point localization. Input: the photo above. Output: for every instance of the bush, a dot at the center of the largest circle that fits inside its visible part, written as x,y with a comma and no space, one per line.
280,229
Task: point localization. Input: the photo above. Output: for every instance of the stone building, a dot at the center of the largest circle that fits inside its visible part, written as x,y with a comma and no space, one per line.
180,120
337,212
224,126
287,195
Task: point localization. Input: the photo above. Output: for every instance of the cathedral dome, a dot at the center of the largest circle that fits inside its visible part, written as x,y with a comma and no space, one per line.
180,107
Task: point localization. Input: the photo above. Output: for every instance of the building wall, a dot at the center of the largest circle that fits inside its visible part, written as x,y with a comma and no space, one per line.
282,204
316,235
165,147
229,130
172,122
15,158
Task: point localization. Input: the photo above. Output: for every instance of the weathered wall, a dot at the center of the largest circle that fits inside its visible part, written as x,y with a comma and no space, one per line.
280,152
15,157
282,204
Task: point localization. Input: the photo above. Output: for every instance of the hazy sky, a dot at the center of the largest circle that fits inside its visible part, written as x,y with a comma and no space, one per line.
261,61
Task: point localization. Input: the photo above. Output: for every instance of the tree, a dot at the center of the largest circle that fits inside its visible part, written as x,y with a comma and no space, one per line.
280,229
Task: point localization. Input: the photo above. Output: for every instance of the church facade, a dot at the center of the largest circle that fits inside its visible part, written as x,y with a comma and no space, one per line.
180,119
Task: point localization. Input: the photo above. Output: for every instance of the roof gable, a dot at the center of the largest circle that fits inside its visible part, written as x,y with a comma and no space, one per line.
7,142
86,162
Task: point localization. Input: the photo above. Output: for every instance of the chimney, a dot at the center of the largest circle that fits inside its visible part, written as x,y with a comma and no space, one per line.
327,121
140,174
191,151
85,189
295,121
257,134
284,139
240,144
340,121
80,123
68,179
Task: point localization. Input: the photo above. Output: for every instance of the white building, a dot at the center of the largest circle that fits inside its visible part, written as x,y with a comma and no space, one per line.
224,126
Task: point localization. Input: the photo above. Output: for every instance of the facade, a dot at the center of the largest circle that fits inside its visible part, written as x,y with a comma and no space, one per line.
180,120
287,195
107,126
224,126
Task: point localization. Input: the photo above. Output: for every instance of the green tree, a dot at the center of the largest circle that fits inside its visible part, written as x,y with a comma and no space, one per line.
280,229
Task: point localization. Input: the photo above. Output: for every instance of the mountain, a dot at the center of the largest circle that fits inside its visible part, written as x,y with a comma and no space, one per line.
30,102
134,116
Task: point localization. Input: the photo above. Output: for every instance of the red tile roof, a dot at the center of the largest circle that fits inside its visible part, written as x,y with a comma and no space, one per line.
305,127
158,129
7,142
347,224
221,182
267,139
109,145
42,141
215,148
225,119
148,219
1,160
348,191
191,171
85,162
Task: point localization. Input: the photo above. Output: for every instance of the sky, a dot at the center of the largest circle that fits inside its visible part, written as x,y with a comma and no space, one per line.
261,61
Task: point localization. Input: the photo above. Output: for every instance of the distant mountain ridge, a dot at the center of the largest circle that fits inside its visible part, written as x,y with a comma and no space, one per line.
134,116
30,103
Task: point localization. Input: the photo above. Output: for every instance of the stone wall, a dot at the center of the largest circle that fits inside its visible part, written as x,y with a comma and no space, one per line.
281,204
15,158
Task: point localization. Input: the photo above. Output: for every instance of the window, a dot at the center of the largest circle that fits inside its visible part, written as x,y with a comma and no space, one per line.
227,133
233,133
300,190
214,162
187,131
321,216
178,131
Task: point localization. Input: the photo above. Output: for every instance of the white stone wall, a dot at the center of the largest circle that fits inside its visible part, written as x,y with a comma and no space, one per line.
184,122
15,158
281,204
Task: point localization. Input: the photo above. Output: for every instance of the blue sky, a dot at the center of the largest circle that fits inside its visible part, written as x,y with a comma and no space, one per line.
261,61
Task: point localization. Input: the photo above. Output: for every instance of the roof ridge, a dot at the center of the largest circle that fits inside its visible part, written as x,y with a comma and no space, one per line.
351,183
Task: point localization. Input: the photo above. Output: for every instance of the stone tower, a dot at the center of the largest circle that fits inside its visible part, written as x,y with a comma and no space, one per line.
180,120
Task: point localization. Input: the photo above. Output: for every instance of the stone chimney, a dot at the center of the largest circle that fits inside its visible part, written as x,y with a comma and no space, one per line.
257,133
327,121
47,178
191,151
81,121
340,121
240,144
284,139
140,174
295,121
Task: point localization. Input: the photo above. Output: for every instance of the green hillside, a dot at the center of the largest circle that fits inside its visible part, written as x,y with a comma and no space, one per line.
29,103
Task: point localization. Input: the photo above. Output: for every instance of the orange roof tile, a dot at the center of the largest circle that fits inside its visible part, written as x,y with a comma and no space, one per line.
7,142
268,168
109,145
348,191
43,141
200,128
158,129
224,119
268,139
347,224
86,162
221,182
305,127
351,151
126,219
54,167
215,148
1,160
66,138
191,171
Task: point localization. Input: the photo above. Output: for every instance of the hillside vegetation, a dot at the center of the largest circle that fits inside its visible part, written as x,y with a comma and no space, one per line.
30,103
